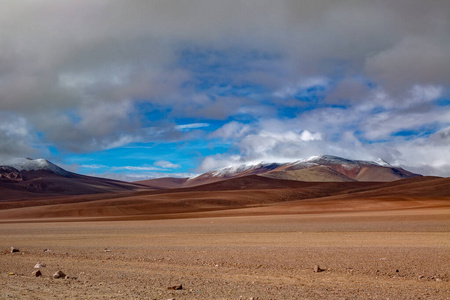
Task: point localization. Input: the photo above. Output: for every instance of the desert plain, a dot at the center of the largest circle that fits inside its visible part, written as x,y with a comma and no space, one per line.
354,245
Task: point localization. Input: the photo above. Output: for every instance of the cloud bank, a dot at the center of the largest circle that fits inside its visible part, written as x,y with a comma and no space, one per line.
261,79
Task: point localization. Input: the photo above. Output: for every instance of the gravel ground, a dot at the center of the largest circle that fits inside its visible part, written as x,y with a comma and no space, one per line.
402,255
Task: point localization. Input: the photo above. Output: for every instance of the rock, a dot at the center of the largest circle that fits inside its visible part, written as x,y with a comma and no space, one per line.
37,273
47,250
13,250
59,274
175,287
317,269
39,265
107,250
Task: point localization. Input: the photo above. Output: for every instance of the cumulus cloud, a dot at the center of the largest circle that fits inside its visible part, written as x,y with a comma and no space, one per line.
232,130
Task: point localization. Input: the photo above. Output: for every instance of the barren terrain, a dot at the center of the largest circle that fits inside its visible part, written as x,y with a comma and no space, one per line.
238,239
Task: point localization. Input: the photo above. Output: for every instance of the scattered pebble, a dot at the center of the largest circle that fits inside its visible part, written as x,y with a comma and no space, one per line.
59,274
317,269
175,287
39,265
13,250
37,273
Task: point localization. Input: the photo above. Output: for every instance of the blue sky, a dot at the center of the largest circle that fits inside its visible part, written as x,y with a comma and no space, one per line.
135,90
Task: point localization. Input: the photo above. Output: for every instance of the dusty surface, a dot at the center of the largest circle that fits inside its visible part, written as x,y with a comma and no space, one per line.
402,254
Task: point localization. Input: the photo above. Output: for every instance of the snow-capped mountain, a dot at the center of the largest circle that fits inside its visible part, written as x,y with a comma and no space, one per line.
28,164
314,168
25,177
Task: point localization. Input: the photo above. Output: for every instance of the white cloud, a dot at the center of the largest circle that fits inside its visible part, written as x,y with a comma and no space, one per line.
166,164
232,130
137,168
186,127
93,166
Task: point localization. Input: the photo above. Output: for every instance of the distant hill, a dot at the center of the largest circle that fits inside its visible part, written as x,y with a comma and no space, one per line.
24,178
325,168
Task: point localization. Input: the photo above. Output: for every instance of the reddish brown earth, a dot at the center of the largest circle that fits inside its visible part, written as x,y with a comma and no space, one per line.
236,196
249,237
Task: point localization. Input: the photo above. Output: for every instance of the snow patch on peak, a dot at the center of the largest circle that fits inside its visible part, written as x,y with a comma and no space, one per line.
330,159
28,164
237,169
382,162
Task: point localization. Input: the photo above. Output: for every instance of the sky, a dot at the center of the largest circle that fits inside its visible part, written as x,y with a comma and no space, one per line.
141,89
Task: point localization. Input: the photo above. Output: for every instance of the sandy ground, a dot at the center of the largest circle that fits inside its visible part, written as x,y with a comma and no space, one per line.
373,255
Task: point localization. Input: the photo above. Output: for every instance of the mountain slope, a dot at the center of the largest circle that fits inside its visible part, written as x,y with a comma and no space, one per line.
250,195
30,178
164,182
325,168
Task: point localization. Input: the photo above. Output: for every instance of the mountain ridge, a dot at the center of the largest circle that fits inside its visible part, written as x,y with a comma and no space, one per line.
22,178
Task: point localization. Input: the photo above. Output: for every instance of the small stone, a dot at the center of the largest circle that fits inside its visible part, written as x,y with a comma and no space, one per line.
39,265
47,250
37,273
317,269
107,250
59,274
13,250
175,287
421,276
438,279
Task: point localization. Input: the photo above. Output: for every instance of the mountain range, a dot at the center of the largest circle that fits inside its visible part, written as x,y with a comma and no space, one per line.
38,189
25,177
324,168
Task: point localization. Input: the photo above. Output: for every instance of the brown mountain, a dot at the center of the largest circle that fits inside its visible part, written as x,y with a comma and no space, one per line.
324,168
28,178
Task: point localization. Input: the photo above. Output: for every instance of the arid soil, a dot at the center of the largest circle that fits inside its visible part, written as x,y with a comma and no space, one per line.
390,254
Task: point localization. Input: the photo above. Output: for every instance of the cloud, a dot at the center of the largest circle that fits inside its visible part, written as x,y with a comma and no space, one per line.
93,166
187,127
232,130
16,137
412,61
166,164
280,80
301,87
137,168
